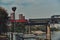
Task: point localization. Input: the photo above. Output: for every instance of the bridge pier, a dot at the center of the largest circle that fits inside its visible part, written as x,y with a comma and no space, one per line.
48,32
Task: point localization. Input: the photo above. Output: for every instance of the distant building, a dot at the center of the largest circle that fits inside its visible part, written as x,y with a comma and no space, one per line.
55,16
21,17
12,16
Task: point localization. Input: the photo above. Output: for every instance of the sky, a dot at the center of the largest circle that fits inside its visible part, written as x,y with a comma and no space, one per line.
32,8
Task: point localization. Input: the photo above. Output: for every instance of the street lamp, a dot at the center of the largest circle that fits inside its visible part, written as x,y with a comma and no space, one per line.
14,9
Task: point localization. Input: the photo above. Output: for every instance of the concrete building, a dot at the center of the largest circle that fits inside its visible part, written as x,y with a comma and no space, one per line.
21,16
12,16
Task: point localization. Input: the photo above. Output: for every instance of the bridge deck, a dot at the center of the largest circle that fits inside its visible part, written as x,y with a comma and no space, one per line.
36,23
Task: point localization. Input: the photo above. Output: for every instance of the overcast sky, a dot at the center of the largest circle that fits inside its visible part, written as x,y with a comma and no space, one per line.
33,8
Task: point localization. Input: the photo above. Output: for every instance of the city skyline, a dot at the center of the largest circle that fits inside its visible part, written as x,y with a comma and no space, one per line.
33,8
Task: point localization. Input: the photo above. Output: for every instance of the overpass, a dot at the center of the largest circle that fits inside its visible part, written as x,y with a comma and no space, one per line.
46,22
43,21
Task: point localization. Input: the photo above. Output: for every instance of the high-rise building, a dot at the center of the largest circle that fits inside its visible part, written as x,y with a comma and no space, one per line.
21,17
12,16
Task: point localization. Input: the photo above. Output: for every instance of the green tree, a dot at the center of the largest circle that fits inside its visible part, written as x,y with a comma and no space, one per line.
3,20
54,29
19,27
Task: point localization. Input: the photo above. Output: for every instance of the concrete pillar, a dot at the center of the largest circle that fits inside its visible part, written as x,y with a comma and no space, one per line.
29,29
48,33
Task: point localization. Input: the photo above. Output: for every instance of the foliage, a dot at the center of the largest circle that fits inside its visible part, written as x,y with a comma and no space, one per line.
19,27
3,20
38,28
54,29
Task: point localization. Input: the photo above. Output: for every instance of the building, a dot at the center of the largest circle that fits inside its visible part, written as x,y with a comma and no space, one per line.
21,18
12,16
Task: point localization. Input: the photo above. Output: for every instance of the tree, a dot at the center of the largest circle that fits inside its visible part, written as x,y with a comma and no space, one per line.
20,27
3,20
